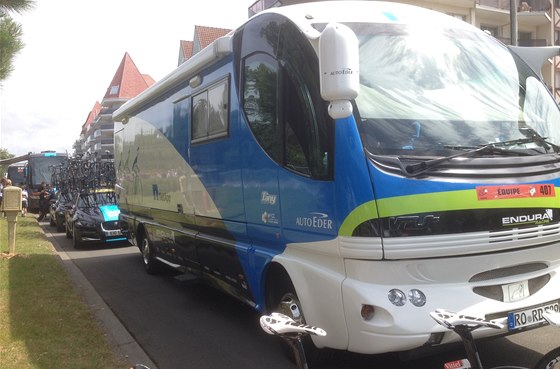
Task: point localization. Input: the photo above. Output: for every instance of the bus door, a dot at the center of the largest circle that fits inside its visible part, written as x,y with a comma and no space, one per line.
218,198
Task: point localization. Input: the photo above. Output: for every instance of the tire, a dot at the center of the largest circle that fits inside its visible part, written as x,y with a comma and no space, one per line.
289,304
76,242
59,225
68,234
551,360
149,260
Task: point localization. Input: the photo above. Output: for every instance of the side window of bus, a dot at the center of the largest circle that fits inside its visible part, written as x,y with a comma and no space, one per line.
210,112
307,130
260,101
284,109
301,146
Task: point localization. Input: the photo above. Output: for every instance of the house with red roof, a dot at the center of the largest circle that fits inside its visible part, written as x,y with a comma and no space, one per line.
97,135
98,130
203,36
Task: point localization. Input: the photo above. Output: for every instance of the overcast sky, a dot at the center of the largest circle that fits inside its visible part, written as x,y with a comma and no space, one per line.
73,49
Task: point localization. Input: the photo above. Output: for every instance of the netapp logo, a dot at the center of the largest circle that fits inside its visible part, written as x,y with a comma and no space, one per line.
538,218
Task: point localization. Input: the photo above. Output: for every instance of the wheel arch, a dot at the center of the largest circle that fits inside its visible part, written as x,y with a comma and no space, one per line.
318,289
276,281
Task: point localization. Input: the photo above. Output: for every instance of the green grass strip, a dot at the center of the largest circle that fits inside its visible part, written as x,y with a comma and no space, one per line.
44,323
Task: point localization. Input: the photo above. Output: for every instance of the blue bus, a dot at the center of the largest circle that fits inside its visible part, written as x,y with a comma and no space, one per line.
17,173
39,169
355,165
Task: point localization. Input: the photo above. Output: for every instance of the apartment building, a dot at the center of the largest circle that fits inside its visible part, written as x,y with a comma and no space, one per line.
97,135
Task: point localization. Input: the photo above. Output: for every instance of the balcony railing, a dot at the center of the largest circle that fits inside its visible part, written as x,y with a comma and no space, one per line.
106,110
522,5
534,42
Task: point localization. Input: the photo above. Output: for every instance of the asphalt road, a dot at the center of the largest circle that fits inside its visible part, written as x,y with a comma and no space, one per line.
188,325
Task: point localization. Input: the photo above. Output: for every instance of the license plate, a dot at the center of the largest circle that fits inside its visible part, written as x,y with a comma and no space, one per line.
532,316
113,233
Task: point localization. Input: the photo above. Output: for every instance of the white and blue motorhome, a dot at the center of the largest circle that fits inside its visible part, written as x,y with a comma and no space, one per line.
367,162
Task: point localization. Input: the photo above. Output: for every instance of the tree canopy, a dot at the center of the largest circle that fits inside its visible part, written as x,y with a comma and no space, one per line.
11,33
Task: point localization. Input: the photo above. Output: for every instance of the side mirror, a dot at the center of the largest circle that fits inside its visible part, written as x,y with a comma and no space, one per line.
339,66
536,56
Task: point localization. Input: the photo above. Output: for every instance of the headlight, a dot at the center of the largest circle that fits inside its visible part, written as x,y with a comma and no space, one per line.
397,297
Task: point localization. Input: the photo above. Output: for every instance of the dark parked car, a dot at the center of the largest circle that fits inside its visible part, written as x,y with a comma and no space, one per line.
58,211
94,216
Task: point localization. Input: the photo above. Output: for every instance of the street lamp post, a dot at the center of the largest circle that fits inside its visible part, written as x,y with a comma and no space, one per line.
513,21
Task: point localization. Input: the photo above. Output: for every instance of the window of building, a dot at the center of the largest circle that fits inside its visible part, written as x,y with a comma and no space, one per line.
490,29
458,16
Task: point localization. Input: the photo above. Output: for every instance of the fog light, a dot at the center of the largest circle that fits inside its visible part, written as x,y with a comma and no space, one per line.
435,338
397,297
367,312
417,297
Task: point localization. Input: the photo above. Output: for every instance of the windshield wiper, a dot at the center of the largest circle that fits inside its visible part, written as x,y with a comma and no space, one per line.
533,136
418,168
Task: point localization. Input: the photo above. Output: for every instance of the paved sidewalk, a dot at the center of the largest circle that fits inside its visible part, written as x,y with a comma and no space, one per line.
117,335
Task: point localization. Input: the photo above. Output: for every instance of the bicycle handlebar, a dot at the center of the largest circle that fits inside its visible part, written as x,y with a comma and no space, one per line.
280,324
451,320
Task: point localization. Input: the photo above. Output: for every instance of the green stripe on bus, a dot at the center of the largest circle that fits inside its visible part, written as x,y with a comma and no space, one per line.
434,202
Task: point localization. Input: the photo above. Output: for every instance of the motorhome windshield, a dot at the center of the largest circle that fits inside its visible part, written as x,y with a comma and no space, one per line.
433,91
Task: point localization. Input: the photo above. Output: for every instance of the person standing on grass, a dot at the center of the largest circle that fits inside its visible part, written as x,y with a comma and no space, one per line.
2,185
24,196
43,201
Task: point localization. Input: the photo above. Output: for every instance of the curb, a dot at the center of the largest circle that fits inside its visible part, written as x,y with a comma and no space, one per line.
117,335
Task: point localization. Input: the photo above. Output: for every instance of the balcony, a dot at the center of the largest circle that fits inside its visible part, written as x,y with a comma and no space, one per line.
107,110
523,5
535,42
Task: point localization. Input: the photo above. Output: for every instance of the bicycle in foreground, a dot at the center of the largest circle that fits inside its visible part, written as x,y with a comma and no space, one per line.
464,325
292,332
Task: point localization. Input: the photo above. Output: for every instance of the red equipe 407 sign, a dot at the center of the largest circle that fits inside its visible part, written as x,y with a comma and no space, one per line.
515,191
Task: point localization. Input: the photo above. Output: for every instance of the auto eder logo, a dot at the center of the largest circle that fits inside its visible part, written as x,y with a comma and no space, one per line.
315,220
534,218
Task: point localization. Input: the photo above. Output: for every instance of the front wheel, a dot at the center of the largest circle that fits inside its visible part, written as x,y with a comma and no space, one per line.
289,305
68,234
550,361
59,224
151,264
76,241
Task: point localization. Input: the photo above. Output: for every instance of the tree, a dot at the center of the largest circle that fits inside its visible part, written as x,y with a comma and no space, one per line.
11,33
4,154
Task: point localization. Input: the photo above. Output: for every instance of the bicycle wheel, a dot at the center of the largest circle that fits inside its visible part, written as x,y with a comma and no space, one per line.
551,360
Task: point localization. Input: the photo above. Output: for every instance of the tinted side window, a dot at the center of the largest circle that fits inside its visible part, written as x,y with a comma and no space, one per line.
260,101
200,115
210,112
308,137
281,96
